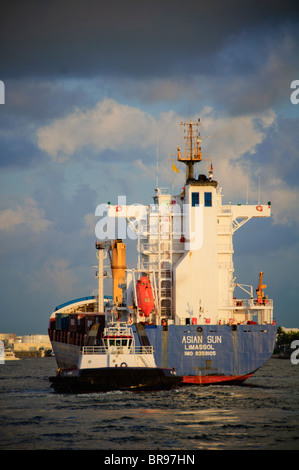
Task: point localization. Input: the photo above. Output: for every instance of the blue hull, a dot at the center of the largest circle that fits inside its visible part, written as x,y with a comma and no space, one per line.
210,353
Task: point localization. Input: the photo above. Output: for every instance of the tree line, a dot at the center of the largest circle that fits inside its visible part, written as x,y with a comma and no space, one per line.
284,340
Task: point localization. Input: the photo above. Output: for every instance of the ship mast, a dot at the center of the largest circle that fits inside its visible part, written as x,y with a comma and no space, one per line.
192,153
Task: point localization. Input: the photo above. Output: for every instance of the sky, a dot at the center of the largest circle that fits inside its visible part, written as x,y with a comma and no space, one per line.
94,95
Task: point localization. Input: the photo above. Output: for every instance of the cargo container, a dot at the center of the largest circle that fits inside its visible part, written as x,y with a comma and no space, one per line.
62,321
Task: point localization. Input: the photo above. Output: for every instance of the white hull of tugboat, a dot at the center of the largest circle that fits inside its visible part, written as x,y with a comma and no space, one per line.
116,364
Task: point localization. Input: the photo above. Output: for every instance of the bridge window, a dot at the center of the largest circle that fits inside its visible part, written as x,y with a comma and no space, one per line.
208,199
195,199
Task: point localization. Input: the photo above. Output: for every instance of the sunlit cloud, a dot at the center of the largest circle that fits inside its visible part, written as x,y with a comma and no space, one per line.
29,214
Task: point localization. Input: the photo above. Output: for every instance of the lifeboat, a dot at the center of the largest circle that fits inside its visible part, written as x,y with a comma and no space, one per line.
145,298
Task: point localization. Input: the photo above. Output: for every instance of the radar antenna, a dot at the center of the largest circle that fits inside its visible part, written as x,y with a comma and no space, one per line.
192,153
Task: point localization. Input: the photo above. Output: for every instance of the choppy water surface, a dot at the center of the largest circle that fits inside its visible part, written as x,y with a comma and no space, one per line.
262,414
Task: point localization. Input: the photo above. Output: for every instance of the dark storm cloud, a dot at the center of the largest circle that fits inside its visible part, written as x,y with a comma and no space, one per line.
83,38
40,100
256,69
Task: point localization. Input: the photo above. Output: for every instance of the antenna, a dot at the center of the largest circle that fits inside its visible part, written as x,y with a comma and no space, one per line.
157,176
247,191
192,153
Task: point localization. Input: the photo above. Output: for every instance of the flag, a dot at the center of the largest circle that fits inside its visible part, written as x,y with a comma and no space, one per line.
174,168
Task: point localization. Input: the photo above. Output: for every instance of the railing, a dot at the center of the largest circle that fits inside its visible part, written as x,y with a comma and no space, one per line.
142,350
253,303
249,304
247,310
94,350
90,350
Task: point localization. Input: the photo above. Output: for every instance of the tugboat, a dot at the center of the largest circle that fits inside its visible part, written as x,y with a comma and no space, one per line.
179,300
115,365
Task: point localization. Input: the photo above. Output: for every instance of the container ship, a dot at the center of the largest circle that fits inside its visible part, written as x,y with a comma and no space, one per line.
179,300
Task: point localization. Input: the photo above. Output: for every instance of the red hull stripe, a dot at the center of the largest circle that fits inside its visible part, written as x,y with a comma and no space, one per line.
213,379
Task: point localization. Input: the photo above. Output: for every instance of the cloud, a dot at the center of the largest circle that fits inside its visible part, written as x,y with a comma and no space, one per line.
52,275
234,146
90,221
256,155
107,126
59,273
117,127
250,81
29,214
127,38
232,137
147,171
284,201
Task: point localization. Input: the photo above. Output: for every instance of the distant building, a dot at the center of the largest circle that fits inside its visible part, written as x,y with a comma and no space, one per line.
289,330
32,343
8,338
26,343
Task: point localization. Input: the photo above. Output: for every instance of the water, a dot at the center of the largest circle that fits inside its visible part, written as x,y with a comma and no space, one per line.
262,414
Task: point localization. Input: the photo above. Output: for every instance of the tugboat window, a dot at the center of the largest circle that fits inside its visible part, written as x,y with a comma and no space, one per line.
208,199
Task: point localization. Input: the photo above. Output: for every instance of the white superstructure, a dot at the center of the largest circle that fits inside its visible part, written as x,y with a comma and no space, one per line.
185,247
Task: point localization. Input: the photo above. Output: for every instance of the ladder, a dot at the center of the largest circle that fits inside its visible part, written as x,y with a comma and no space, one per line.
156,256
165,264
